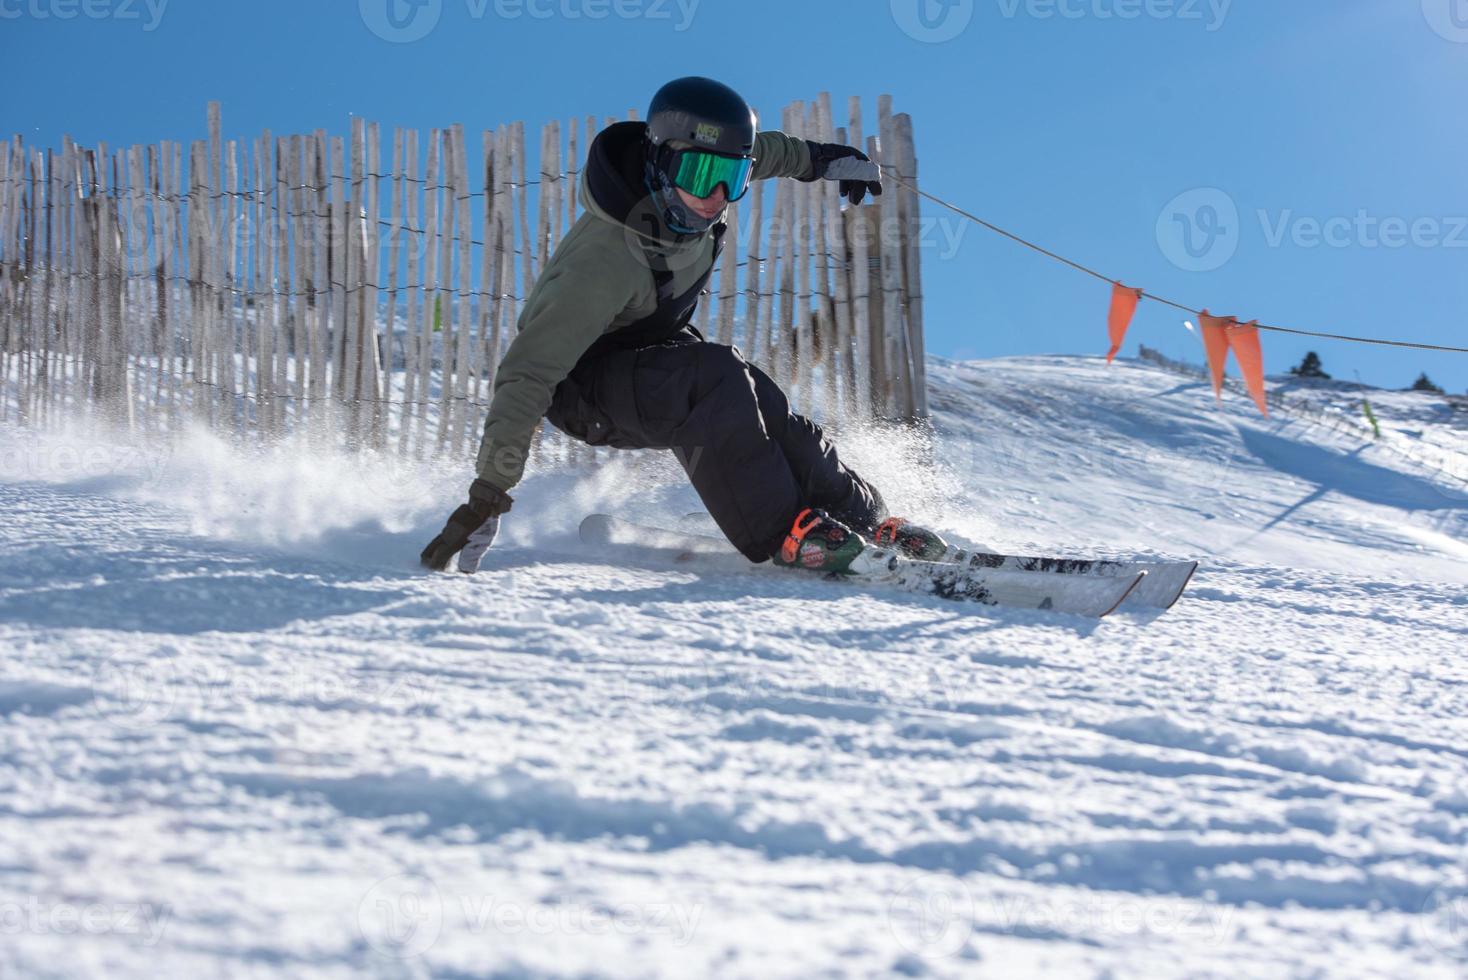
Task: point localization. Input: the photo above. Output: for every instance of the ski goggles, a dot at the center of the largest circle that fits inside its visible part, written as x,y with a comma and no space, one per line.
700,173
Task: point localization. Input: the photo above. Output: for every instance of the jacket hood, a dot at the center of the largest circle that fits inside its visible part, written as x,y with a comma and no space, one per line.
614,187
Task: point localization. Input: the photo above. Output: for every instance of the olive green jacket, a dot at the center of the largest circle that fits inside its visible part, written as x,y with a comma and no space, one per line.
599,280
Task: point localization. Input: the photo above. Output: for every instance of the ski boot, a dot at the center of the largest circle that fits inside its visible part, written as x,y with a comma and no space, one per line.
910,540
819,542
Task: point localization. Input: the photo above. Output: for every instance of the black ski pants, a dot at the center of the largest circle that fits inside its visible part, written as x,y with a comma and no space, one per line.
754,463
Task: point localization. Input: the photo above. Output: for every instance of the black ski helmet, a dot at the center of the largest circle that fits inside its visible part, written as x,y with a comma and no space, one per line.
705,114
701,111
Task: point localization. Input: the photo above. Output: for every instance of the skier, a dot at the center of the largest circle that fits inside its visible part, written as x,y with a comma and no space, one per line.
606,353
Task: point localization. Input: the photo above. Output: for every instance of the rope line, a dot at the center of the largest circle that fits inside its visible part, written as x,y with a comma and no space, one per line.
897,178
260,195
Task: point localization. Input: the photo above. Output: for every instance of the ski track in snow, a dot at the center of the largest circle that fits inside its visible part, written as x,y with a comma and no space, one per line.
241,734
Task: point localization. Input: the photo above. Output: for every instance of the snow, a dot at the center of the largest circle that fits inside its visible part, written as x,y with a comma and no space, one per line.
241,734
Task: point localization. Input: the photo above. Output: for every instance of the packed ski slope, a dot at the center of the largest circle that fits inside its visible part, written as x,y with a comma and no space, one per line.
241,734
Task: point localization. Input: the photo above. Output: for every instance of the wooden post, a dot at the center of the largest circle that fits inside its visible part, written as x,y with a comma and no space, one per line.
307,293
890,241
212,242
501,280
446,291
134,245
465,290
906,153
855,226
729,277
550,166
338,273
823,201
266,236
485,359
7,277
781,337
753,259
197,324
528,268
232,291
840,364
431,299
394,253
374,346
322,272
412,336
165,186
573,171
34,360
542,204
800,321
257,232
507,308
770,271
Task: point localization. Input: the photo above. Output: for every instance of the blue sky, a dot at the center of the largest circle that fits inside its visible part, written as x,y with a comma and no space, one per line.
1300,162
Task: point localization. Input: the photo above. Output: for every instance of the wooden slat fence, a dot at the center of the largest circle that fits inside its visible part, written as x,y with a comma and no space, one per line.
304,284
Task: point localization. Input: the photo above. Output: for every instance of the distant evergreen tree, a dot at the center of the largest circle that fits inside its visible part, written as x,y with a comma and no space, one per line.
1310,368
1424,383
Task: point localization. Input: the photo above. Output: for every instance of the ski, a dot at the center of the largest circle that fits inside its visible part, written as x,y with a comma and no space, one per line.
1161,589
1080,595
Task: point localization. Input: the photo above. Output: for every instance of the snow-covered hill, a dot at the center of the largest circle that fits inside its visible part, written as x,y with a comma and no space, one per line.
242,735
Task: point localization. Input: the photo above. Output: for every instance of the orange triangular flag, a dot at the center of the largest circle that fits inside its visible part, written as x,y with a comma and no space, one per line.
1215,342
1243,338
1123,306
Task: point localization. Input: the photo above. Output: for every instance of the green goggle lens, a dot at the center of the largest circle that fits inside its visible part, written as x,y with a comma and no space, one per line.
699,173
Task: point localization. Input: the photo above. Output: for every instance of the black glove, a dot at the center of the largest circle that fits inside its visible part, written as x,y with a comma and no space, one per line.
470,529
855,170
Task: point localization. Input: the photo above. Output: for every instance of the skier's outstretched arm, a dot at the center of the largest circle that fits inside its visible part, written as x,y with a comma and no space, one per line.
782,155
581,291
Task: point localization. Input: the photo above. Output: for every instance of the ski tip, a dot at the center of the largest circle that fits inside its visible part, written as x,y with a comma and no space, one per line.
595,529
1123,598
1187,580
